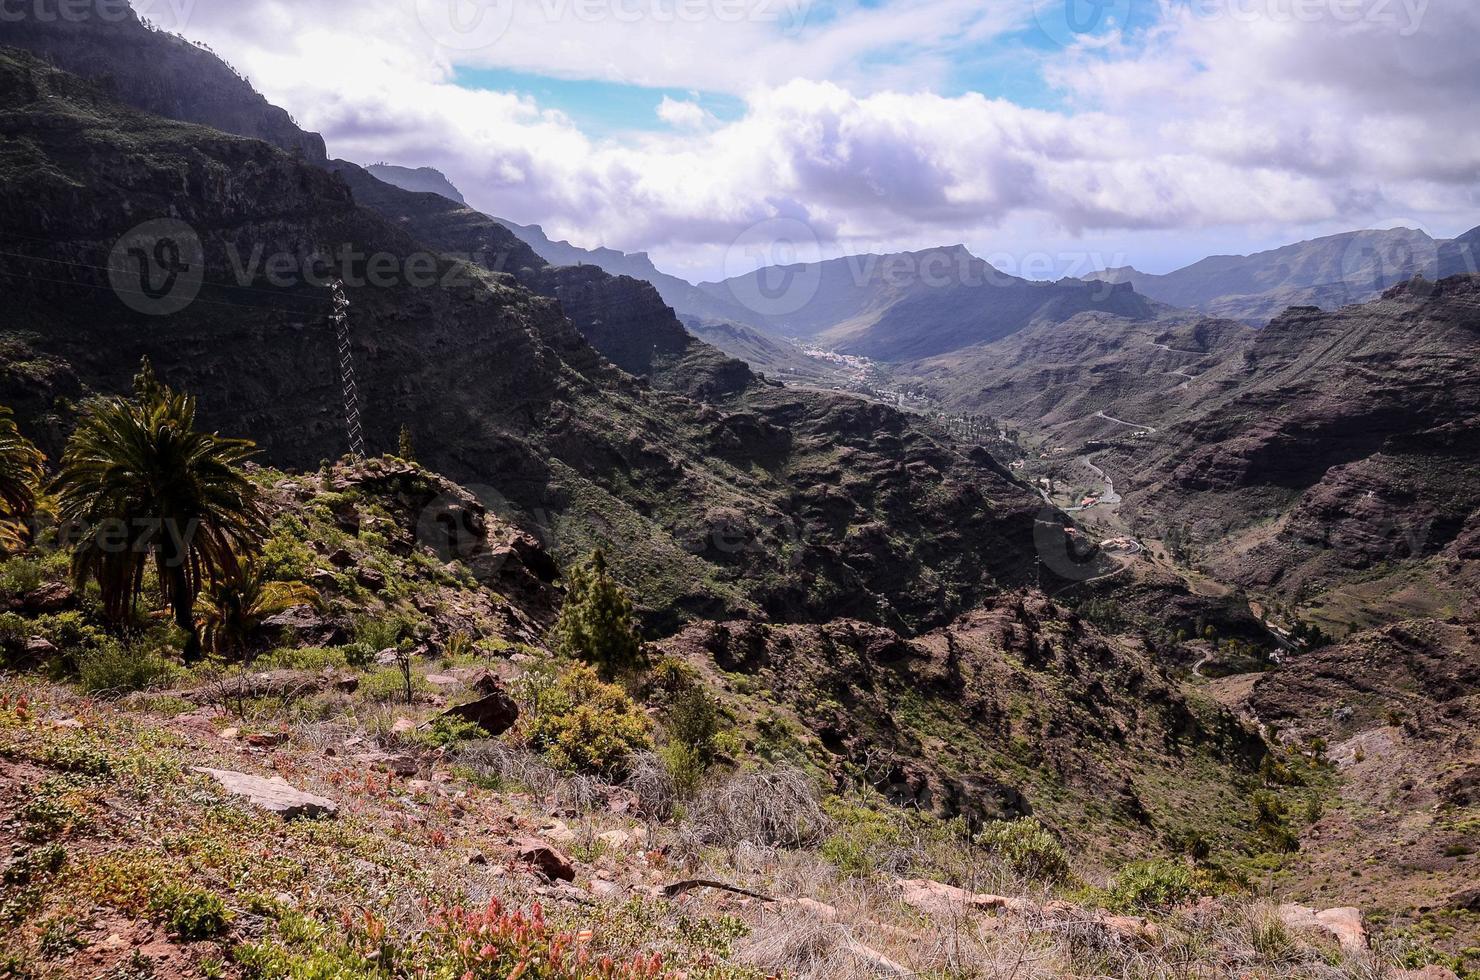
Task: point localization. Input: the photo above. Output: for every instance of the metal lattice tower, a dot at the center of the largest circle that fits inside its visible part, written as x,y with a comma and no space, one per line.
340,316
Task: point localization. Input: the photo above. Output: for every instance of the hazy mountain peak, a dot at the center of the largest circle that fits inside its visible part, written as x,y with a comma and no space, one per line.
422,180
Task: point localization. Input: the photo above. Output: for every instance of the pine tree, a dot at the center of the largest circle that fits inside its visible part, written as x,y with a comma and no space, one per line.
405,449
596,623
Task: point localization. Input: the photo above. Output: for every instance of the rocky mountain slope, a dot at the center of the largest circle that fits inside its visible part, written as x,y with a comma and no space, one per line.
1329,272
913,305
1334,444
756,506
157,72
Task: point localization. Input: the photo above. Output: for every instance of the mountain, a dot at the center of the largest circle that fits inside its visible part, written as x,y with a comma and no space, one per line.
422,180
1332,446
159,73
1058,379
724,325
913,305
762,501
1329,273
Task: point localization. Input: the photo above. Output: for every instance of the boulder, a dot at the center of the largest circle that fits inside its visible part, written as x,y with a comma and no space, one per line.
341,558
495,712
935,898
557,831
37,649
1343,923
547,860
273,795
53,597
371,579
307,623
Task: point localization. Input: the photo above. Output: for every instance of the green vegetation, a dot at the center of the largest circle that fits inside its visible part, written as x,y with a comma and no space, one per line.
585,725
1153,886
142,485
233,608
596,622
1027,847
22,468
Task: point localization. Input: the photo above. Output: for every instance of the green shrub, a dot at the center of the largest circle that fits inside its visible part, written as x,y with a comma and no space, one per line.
285,556
672,675
596,622
20,575
1272,822
113,668
586,725
388,685
304,658
863,841
446,731
1027,848
384,632
1152,886
685,766
190,913
692,721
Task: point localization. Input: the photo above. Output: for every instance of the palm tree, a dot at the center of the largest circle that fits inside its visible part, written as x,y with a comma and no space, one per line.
22,467
140,483
234,607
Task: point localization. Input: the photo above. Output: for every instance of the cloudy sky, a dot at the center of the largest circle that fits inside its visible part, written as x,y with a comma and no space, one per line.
1047,135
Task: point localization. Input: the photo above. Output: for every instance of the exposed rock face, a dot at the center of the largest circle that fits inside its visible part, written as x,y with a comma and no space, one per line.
1361,423
273,795
420,180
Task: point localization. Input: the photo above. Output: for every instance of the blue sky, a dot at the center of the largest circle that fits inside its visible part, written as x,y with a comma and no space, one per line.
1165,131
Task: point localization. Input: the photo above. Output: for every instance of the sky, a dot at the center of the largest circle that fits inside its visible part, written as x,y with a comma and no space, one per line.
1049,136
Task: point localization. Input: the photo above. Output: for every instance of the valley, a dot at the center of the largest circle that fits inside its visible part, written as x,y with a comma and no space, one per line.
389,589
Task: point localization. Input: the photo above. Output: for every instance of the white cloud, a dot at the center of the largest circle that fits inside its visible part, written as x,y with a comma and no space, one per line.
1265,127
683,114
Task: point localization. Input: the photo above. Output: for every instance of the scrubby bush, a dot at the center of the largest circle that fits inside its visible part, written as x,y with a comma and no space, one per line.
1152,886
285,556
1272,822
115,668
192,914
775,807
863,841
583,724
1027,848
